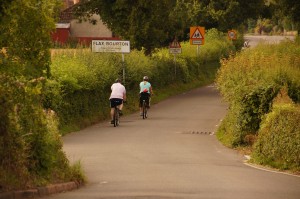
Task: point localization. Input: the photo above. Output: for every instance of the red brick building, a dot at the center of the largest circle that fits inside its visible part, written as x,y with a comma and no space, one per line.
69,29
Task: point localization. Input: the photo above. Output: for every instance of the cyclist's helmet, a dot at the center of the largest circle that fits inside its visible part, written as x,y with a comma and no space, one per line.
118,80
145,78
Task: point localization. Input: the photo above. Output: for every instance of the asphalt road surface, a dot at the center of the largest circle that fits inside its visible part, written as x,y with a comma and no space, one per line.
172,154
254,40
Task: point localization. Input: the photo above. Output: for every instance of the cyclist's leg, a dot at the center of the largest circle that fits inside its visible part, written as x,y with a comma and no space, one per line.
144,108
112,109
120,106
112,113
148,101
114,121
116,116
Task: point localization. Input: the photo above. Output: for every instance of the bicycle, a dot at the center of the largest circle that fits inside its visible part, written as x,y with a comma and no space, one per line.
145,109
116,116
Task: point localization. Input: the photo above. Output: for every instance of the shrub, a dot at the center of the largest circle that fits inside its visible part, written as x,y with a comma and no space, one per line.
249,82
30,146
13,148
278,143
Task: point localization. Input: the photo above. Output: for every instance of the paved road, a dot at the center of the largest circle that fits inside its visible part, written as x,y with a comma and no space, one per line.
256,39
169,155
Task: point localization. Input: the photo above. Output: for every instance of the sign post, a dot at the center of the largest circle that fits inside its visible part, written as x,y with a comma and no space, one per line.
174,49
112,46
197,34
123,66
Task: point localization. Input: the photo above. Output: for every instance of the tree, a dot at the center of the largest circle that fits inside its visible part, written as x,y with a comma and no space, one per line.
147,24
25,28
230,14
151,24
288,8
4,4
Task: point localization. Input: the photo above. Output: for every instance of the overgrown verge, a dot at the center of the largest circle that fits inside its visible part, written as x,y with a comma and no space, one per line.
31,152
30,145
249,82
80,85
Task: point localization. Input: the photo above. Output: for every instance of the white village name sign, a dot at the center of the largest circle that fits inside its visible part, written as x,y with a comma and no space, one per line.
111,46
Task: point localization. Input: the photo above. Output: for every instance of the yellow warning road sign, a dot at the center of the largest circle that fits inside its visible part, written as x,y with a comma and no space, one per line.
197,35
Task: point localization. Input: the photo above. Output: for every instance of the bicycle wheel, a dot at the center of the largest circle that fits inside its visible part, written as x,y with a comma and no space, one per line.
144,110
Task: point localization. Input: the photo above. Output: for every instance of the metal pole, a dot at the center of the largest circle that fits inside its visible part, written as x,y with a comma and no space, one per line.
175,64
123,64
198,49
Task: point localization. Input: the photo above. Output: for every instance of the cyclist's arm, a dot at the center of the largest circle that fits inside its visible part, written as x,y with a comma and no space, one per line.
151,91
124,96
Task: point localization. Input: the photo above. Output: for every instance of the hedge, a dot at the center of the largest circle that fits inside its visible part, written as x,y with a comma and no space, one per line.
250,80
278,143
30,145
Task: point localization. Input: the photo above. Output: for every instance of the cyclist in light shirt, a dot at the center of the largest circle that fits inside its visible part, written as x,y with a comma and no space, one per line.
145,93
117,96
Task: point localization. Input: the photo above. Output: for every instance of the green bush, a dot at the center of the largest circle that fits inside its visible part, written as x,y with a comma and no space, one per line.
13,148
30,145
249,82
278,142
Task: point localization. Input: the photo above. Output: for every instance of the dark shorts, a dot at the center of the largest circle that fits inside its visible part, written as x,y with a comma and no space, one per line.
144,96
115,102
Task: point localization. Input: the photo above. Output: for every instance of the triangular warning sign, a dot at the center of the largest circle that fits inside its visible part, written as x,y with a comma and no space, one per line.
197,34
175,44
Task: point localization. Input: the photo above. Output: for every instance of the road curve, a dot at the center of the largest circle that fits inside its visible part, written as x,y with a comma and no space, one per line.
172,154
254,40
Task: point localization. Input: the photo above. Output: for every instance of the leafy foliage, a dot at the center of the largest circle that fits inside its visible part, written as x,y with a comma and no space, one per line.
138,21
24,45
288,8
30,146
154,24
278,143
251,80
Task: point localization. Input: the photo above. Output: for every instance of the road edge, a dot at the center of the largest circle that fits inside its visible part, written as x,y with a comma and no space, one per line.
266,168
41,191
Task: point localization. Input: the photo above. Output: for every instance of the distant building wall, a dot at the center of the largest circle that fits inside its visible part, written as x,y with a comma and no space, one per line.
86,29
62,33
69,29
